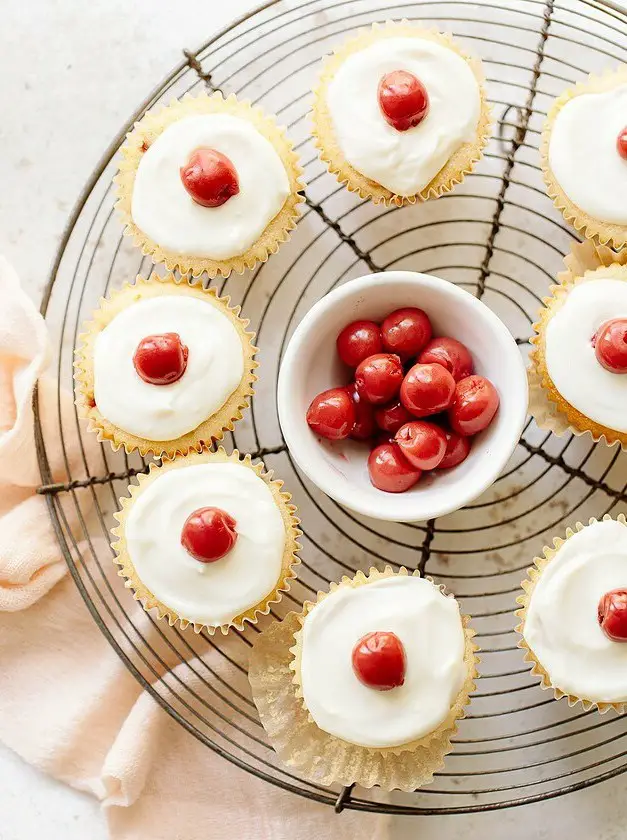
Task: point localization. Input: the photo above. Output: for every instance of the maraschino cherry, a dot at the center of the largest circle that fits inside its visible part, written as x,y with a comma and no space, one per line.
379,661
610,345
621,143
612,614
161,359
209,534
403,99
209,177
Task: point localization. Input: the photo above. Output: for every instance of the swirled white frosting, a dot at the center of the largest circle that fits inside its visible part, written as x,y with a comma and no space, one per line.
583,156
207,593
403,161
429,626
570,357
164,211
215,367
561,625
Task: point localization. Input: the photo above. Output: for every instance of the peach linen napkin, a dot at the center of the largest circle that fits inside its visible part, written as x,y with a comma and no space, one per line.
67,703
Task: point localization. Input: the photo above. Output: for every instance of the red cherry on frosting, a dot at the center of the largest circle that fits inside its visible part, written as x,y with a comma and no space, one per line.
403,99
209,177
331,414
610,345
208,534
612,614
379,661
621,143
161,359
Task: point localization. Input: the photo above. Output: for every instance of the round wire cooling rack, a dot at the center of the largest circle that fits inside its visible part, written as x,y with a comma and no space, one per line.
497,235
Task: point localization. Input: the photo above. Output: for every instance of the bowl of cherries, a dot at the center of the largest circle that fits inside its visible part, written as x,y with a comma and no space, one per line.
402,396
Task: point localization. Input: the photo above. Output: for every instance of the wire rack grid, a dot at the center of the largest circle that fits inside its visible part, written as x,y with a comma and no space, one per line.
496,235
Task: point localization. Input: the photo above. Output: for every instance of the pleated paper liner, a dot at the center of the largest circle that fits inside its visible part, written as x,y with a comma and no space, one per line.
214,427
605,233
290,561
533,575
323,758
546,405
145,132
459,164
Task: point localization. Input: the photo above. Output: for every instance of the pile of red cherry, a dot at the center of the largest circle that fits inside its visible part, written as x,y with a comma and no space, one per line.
401,376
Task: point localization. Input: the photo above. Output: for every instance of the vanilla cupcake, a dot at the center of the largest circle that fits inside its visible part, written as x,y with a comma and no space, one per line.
574,615
164,367
579,358
400,113
366,685
208,184
209,540
584,156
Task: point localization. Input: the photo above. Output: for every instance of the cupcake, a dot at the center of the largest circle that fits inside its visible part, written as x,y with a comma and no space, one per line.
400,114
208,184
584,156
579,358
366,685
208,540
165,366
574,615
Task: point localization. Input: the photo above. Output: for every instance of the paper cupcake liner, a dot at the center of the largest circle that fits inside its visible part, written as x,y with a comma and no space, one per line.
603,232
211,429
546,405
146,130
456,168
290,561
323,758
533,575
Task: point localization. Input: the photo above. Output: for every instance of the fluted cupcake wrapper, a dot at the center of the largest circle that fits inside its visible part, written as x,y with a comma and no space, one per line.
145,132
546,405
605,233
528,585
290,560
456,168
323,758
211,429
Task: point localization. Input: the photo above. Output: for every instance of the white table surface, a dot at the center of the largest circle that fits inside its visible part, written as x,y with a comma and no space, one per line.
70,74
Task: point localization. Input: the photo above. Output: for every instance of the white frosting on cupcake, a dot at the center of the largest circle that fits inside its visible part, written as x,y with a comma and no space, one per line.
428,624
561,625
583,156
570,357
215,366
164,211
403,161
207,593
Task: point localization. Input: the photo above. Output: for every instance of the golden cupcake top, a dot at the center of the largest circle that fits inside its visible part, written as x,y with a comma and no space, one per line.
164,366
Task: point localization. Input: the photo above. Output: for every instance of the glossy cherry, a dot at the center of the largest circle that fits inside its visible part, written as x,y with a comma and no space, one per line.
379,660
331,414
621,143
451,354
610,345
612,615
161,359
474,405
209,177
422,443
389,470
406,331
457,450
403,99
209,534
427,389
378,378
392,416
359,340
364,426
